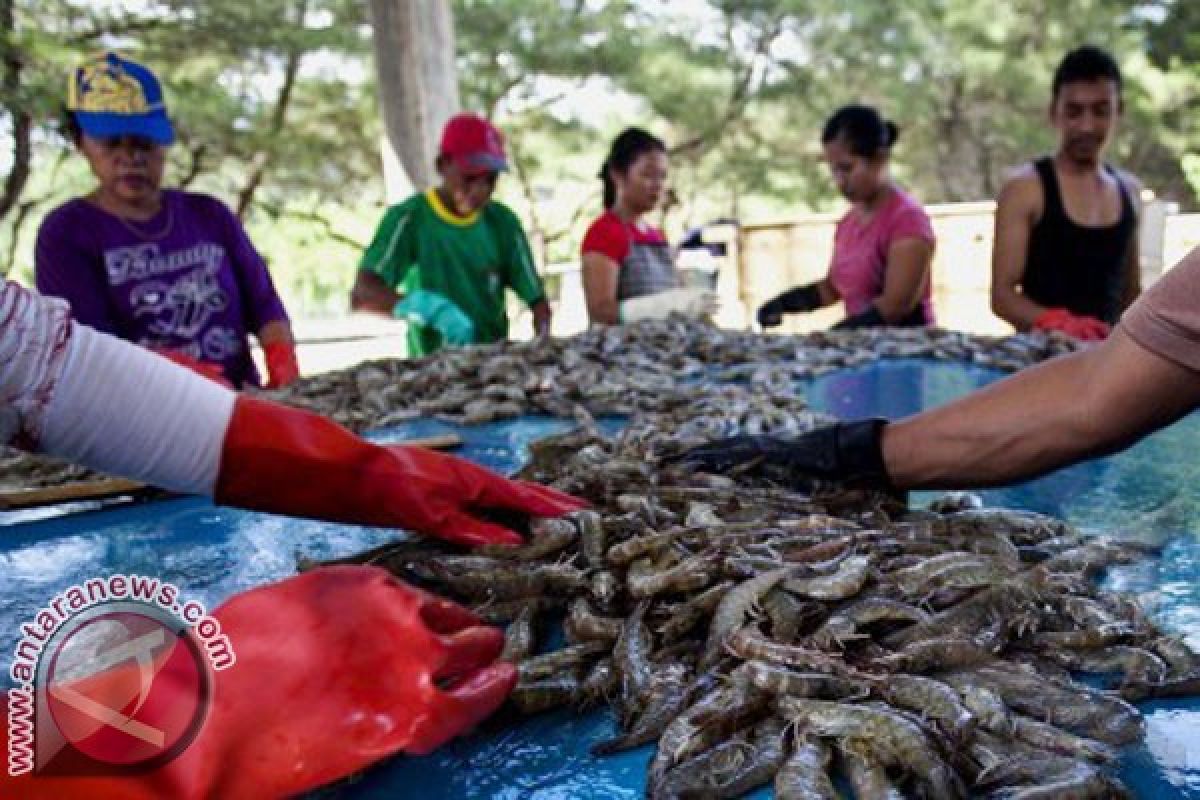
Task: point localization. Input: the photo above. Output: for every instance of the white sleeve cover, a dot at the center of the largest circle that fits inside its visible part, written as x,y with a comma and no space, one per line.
123,410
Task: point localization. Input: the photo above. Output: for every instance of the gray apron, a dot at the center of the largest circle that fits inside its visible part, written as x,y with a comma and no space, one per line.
648,269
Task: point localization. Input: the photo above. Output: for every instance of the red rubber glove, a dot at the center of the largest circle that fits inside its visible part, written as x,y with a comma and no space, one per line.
287,461
282,367
336,668
206,368
1088,329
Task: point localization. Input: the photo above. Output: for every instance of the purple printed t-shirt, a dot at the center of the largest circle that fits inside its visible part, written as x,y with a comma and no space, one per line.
860,251
189,279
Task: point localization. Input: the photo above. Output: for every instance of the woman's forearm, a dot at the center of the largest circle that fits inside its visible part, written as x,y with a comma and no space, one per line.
893,311
604,311
277,331
828,294
599,275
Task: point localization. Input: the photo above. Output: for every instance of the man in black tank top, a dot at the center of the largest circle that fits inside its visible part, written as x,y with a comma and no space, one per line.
1065,254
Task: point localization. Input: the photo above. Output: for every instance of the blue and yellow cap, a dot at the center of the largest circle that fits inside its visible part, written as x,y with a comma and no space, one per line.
113,96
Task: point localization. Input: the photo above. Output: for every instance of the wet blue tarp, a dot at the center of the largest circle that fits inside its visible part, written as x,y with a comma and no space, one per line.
1149,491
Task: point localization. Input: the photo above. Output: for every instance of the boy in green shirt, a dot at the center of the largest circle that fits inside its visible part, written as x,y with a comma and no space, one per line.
442,258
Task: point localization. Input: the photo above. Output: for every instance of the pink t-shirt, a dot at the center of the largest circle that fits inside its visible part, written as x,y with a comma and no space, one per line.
860,251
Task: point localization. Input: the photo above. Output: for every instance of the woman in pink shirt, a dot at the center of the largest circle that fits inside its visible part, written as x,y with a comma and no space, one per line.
883,246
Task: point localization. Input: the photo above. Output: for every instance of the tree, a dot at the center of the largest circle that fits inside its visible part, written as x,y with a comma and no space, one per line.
418,85
259,106
277,110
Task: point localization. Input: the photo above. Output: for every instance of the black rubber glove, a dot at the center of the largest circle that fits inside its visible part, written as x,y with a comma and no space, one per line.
847,452
871,318
802,298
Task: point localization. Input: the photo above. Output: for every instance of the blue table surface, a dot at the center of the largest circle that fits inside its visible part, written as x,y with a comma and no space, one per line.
1149,491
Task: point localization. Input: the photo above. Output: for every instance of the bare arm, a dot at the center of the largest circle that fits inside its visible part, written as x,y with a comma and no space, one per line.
371,294
1074,407
542,316
1017,210
600,288
829,295
277,331
905,278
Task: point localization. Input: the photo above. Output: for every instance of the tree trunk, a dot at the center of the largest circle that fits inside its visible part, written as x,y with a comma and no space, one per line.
23,210
259,163
418,85
22,122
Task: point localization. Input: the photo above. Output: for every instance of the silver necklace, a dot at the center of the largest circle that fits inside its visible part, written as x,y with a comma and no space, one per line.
152,236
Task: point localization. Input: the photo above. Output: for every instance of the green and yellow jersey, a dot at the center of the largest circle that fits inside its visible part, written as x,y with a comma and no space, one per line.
421,244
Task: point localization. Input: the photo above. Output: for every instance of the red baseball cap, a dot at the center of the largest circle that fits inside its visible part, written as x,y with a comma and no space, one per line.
474,144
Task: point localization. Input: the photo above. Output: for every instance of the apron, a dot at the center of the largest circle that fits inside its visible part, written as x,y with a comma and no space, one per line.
648,269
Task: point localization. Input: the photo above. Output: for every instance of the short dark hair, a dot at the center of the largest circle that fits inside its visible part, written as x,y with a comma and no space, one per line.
1087,63
863,129
626,148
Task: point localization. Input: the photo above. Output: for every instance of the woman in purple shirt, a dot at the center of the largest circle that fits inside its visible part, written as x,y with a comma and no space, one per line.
170,270
883,246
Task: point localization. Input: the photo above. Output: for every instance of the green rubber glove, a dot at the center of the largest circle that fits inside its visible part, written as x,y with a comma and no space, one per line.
436,311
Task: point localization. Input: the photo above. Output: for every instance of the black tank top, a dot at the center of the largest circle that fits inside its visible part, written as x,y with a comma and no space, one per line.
1073,266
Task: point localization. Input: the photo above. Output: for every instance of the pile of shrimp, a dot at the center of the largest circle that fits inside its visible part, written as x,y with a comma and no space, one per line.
646,366
625,369
807,635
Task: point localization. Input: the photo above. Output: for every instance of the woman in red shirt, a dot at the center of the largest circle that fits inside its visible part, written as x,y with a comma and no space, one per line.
883,246
628,267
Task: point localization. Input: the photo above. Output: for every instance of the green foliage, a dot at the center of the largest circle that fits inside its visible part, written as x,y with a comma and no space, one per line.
740,91
313,253
1191,169
241,135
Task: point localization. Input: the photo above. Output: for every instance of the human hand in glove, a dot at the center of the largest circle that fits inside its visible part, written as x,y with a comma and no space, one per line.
691,302
802,298
849,452
248,451
1088,329
439,313
335,669
287,461
282,366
